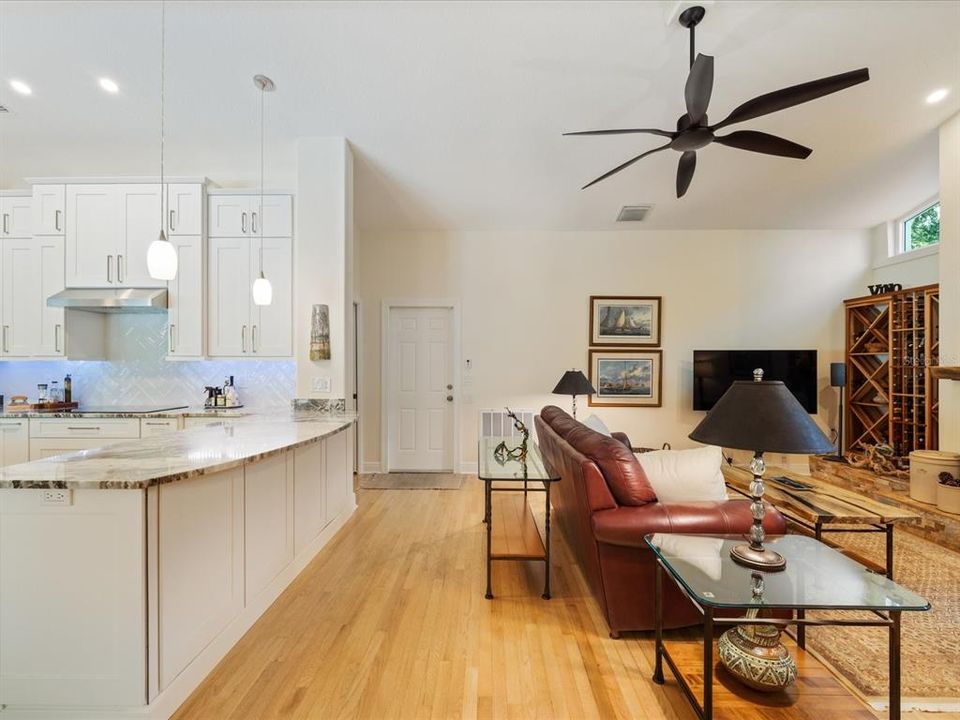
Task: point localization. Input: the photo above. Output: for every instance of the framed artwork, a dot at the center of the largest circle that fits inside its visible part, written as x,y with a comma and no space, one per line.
624,321
626,378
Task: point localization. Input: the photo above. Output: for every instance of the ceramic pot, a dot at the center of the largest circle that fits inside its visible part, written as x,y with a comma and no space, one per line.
925,469
948,498
757,658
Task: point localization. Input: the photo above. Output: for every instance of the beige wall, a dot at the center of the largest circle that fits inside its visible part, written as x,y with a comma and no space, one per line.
950,280
524,305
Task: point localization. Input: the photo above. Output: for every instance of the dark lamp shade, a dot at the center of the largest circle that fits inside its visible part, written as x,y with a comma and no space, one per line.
838,374
573,382
762,416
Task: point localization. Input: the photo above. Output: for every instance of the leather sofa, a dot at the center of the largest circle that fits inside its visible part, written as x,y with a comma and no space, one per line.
605,506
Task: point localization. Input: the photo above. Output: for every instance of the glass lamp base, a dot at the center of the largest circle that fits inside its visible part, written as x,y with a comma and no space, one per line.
758,559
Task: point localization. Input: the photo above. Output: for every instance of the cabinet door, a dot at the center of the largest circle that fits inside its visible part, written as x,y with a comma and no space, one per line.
185,209
272,331
48,205
187,314
16,217
93,235
276,220
14,442
229,297
229,215
20,298
48,262
268,521
140,226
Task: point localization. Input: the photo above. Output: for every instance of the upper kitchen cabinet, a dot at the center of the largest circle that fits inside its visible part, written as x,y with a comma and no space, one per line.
239,215
140,212
16,216
186,317
19,309
185,209
48,209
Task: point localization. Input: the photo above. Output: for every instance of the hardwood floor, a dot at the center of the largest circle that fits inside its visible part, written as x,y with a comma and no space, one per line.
389,621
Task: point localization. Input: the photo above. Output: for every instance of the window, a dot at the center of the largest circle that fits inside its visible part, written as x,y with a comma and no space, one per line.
921,229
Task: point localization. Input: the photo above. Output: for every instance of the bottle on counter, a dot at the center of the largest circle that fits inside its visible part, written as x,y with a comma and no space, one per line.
55,395
67,389
41,393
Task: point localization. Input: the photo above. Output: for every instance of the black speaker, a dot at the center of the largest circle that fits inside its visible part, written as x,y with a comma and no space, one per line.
838,375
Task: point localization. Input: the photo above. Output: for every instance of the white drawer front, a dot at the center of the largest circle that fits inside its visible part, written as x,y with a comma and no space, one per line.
192,422
85,428
158,426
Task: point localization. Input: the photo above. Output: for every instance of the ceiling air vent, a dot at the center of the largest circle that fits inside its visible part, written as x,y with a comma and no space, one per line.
633,213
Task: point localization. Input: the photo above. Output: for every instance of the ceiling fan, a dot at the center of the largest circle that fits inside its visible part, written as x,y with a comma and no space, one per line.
694,132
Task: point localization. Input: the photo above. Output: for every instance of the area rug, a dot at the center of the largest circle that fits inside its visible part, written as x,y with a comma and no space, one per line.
930,674
411,481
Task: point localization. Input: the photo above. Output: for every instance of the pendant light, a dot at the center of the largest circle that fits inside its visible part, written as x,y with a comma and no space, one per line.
262,289
162,255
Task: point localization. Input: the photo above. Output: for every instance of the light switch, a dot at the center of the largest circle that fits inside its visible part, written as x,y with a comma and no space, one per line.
321,384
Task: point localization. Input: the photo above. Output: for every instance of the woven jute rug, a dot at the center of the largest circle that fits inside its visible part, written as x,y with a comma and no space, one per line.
411,481
930,660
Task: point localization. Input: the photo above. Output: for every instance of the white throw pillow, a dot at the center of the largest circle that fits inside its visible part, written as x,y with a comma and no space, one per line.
685,475
596,424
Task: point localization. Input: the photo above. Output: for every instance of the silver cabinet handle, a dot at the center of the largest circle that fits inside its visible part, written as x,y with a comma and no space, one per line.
172,326
243,338
253,339
157,424
253,222
171,220
109,268
56,220
56,337
243,222
119,268
95,427
6,217
5,329
10,425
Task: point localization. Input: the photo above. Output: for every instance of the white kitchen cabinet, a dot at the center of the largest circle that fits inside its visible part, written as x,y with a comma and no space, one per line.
93,235
20,307
187,313
16,216
140,215
338,459
268,521
238,328
308,490
240,215
49,202
184,209
14,441
195,422
48,256
149,427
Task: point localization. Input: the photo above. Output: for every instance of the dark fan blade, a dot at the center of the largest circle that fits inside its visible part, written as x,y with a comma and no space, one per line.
688,163
627,131
762,142
627,164
699,87
795,95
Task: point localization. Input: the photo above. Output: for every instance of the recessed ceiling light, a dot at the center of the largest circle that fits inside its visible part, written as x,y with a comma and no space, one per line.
21,87
109,86
937,95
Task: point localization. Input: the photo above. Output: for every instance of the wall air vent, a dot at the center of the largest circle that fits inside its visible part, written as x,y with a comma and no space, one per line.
3,108
633,213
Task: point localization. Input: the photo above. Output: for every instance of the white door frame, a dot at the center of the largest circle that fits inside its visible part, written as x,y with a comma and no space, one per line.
386,306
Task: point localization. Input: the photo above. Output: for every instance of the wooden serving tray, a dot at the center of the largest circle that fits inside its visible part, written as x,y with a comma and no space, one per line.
42,407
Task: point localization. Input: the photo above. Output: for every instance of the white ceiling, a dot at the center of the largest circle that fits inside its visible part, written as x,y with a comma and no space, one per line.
455,109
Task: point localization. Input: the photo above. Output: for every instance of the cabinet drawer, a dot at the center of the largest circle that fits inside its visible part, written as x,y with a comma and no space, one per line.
193,422
85,428
14,442
158,426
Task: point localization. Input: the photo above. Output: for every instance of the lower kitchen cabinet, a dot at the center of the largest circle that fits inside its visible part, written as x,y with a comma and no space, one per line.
55,436
268,519
14,441
158,426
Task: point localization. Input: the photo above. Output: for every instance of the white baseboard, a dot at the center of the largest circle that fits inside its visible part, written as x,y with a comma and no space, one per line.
173,696
468,467
369,467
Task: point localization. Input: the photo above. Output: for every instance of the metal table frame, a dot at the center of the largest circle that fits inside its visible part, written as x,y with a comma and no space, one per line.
704,710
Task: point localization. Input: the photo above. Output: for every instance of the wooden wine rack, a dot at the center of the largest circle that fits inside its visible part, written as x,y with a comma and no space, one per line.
892,340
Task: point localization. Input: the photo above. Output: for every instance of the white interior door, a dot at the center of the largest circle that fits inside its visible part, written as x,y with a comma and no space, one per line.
420,389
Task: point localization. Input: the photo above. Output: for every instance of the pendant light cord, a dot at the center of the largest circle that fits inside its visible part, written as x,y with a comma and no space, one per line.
163,38
262,93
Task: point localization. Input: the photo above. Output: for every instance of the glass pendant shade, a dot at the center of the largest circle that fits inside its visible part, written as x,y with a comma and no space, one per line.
162,259
262,291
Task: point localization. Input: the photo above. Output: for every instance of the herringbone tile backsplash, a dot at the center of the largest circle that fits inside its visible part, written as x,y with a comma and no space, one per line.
138,374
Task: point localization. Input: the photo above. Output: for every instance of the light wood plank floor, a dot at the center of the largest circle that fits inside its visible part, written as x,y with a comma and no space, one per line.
389,621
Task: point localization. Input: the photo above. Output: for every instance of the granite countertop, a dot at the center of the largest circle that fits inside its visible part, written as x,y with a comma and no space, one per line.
190,411
172,457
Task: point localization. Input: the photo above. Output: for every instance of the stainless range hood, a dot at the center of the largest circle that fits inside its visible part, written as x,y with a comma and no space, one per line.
108,300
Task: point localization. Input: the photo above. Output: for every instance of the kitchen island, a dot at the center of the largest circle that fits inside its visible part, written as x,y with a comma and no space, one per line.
127,572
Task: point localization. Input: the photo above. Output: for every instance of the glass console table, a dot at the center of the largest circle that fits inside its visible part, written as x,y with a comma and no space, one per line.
512,533
817,577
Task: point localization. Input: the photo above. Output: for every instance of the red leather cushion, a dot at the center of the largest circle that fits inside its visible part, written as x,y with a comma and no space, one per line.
558,420
620,468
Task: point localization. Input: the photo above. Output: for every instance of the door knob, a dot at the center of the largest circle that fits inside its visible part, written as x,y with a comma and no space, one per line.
449,398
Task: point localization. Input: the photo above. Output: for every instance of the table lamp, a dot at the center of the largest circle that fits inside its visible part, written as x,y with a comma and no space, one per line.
574,383
762,416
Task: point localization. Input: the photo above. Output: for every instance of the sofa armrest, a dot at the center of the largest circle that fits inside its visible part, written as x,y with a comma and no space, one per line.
622,437
627,525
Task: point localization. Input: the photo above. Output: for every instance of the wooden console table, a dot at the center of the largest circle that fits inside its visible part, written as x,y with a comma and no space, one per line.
512,532
823,507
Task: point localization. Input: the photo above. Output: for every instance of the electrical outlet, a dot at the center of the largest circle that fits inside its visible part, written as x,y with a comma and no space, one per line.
57,497
321,384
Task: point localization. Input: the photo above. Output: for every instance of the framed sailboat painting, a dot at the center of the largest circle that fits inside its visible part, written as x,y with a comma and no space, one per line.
626,378
624,321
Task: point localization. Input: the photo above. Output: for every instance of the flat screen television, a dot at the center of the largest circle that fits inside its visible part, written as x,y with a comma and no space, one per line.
715,370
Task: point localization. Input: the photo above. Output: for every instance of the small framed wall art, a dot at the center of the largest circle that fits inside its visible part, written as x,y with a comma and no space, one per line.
626,378
624,321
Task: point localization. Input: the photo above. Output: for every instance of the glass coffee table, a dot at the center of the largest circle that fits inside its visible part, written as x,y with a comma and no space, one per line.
817,577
